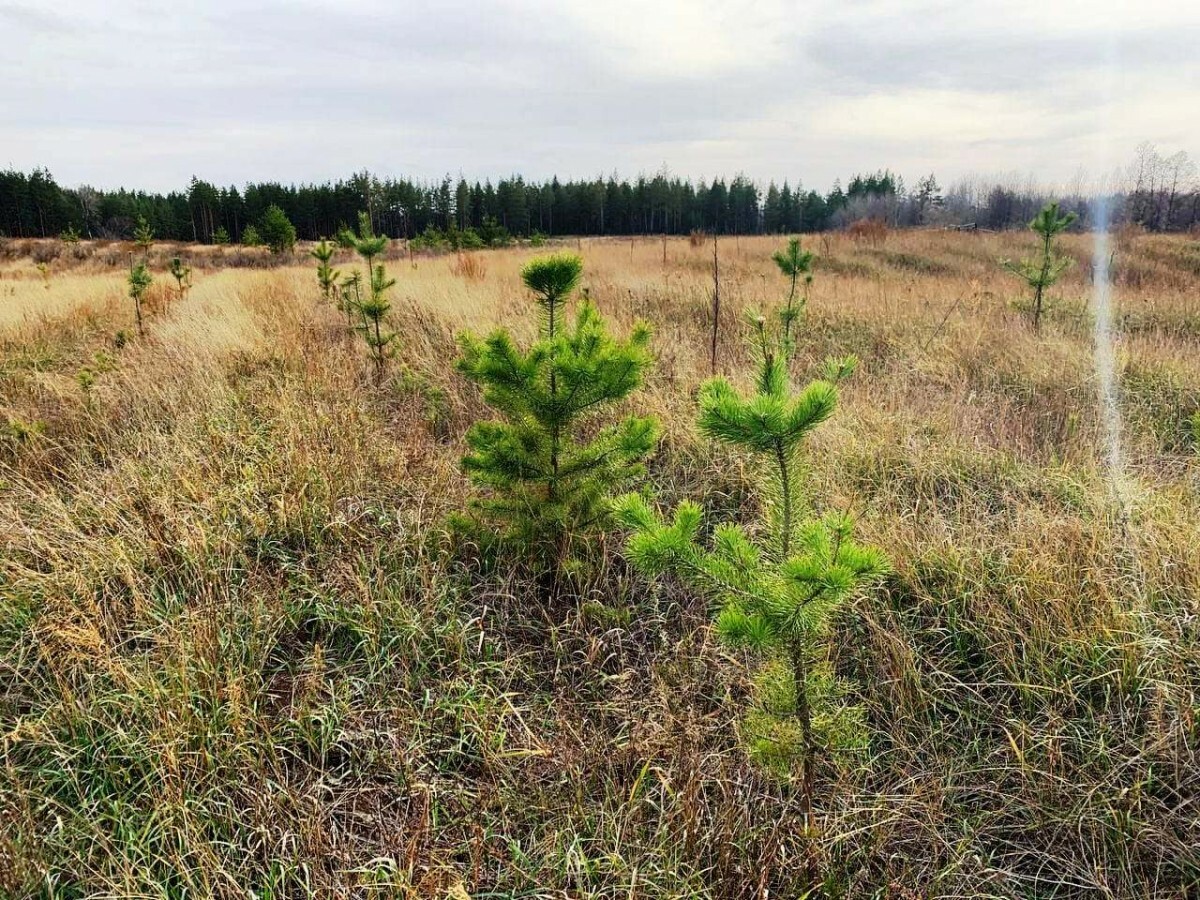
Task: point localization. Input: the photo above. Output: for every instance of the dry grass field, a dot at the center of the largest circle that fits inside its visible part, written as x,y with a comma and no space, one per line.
239,659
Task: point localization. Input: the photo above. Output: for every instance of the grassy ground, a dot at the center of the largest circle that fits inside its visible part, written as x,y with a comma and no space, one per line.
236,658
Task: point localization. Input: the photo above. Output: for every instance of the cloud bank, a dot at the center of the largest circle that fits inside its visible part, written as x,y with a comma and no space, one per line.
145,94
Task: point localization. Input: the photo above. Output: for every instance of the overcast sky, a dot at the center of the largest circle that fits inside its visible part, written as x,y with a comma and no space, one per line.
147,94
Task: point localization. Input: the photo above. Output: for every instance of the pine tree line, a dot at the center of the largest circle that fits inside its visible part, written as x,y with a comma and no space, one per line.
1162,194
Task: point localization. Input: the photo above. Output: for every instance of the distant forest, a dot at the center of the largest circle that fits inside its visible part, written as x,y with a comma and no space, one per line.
1159,193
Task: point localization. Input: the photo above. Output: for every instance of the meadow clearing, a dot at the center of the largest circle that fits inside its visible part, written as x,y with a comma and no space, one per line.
240,657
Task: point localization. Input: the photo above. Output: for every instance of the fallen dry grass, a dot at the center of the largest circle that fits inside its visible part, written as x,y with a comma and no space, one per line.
237,660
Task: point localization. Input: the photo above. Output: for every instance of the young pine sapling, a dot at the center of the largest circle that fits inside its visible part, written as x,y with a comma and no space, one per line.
366,243
778,586
182,275
549,469
327,276
796,265
143,236
1042,273
373,312
139,282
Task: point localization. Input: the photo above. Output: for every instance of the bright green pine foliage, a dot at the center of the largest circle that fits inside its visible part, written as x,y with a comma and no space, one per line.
796,265
373,309
549,468
327,276
277,231
143,235
139,280
373,313
777,587
1042,273
182,275
366,243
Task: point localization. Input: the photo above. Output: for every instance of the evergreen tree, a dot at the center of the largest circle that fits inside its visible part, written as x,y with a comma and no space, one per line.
366,243
373,312
1042,273
251,237
547,470
276,230
793,263
374,309
327,276
143,235
775,595
139,282
220,236
182,275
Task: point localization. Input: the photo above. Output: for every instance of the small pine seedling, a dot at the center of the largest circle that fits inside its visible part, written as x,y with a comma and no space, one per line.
776,594
547,471
182,275
796,265
1042,273
366,243
70,237
327,276
143,236
373,311
44,270
139,282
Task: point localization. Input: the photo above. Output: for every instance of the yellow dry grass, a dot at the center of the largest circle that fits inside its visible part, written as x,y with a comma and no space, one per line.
235,656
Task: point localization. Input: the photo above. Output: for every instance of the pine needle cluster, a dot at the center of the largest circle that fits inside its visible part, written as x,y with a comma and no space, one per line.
548,469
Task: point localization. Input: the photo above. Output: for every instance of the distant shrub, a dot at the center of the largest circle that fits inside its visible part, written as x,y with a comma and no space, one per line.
494,234
251,237
429,239
220,236
277,230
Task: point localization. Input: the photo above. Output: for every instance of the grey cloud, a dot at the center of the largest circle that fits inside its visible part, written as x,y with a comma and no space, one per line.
147,95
